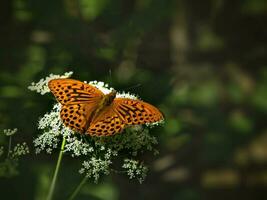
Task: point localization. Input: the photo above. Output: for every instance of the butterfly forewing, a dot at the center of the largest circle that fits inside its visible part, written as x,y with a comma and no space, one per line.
78,99
136,111
69,91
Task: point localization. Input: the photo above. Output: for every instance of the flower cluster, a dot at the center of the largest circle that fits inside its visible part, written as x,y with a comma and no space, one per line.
51,127
1,150
98,153
77,147
93,167
134,139
19,150
42,86
9,132
9,165
135,169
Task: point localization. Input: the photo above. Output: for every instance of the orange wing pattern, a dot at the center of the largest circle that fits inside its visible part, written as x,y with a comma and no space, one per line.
106,123
136,111
123,112
76,116
84,109
69,91
78,99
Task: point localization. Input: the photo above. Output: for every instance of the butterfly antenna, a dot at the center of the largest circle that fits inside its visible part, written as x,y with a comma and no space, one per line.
134,86
110,77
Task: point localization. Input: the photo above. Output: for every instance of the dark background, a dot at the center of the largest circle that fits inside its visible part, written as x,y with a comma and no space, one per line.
203,63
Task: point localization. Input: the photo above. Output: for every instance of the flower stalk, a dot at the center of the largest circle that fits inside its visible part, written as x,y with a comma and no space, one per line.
9,146
54,180
78,188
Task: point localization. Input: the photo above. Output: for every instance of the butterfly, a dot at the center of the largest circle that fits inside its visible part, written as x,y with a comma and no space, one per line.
86,109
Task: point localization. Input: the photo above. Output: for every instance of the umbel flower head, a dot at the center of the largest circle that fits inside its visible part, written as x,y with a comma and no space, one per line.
11,154
97,153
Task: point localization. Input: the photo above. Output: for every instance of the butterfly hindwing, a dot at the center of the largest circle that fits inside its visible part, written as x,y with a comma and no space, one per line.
136,111
106,123
69,91
106,127
75,117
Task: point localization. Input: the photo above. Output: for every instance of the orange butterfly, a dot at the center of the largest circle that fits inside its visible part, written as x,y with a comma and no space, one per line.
86,109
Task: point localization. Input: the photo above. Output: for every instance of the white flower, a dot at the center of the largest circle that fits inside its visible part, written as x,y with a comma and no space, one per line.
48,140
77,147
126,95
133,139
153,124
19,150
1,150
106,89
94,167
42,86
9,165
9,132
135,169
101,86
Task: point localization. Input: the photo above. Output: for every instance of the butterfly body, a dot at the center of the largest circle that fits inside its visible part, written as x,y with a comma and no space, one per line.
86,109
106,101
103,105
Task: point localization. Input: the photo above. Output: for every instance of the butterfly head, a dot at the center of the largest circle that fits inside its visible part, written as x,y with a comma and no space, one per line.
108,99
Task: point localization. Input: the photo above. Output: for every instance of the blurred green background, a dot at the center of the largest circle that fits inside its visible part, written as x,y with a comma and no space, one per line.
203,63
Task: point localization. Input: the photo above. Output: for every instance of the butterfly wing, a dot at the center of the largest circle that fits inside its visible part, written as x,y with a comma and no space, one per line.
69,91
136,111
106,123
76,116
123,112
78,99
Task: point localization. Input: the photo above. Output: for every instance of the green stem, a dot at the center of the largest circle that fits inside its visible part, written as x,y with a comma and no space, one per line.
53,184
9,145
78,188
